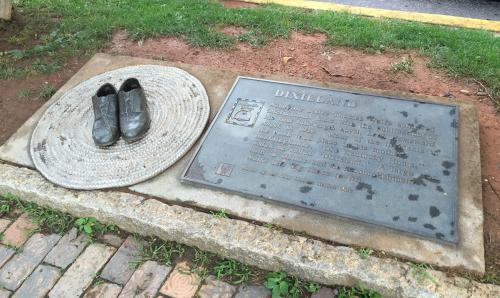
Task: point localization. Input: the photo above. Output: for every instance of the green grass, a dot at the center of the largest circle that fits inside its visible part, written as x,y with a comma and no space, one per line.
85,26
365,252
358,292
47,219
163,252
232,271
419,271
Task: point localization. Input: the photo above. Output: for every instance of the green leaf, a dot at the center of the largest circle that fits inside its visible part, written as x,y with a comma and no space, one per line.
80,221
87,229
276,293
283,286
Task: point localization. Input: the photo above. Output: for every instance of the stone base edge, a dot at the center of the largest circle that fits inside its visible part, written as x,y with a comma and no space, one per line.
255,245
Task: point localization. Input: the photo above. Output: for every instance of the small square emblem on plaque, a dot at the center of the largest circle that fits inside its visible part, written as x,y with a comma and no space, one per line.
245,112
224,169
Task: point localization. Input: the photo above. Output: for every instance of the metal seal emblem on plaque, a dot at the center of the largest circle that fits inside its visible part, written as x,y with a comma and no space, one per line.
385,161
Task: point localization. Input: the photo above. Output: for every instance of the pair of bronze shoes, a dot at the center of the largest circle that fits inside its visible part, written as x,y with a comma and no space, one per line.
122,113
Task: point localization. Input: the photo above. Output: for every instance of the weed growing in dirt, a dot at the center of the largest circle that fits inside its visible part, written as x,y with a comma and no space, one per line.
419,271
47,219
45,93
404,65
365,252
91,227
81,27
163,252
232,271
490,278
219,214
358,292
283,285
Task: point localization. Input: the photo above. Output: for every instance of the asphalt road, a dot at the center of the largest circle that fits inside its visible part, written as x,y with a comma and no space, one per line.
478,9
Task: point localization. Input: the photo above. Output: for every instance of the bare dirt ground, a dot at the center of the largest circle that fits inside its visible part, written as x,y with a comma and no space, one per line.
304,56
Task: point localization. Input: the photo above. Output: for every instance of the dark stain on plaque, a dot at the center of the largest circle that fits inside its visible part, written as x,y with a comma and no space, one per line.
404,113
453,111
435,152
368,188
395,218
400,152
412,219
434,211
263,186
447,164
439,236
420,180
446,172
454,123
439,188
413,197
429,226
305,189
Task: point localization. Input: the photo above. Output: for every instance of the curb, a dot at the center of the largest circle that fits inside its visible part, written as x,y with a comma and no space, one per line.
386,13
255,245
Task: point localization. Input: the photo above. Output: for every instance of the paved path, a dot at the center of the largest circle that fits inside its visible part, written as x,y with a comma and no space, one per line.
67,266
478,9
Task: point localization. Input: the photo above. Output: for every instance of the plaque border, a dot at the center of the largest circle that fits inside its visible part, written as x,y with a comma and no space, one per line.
455,242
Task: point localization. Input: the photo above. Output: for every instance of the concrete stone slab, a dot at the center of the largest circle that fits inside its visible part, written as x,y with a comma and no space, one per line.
146,280
39,283
22,265
104,290
67,249
79,276
19,231
120,268
216,288
181,283
255,245
4,223
5,254
468,254
249,291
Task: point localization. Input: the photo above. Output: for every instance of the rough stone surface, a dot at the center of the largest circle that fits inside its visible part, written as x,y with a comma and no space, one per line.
216,288
119,269
112,239
181,283
255,245
4,223
105,290
469,253
249,291
39,283
5,10
22,264
324,293
5,254
146,280
80,274
68,249
5,293
19,231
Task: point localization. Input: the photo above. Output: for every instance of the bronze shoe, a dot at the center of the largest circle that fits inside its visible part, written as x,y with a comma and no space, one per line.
134,114
105,130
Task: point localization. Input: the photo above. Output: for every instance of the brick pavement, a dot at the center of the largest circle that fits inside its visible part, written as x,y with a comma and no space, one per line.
69,265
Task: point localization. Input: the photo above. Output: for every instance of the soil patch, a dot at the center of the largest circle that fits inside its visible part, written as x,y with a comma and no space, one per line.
237,4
